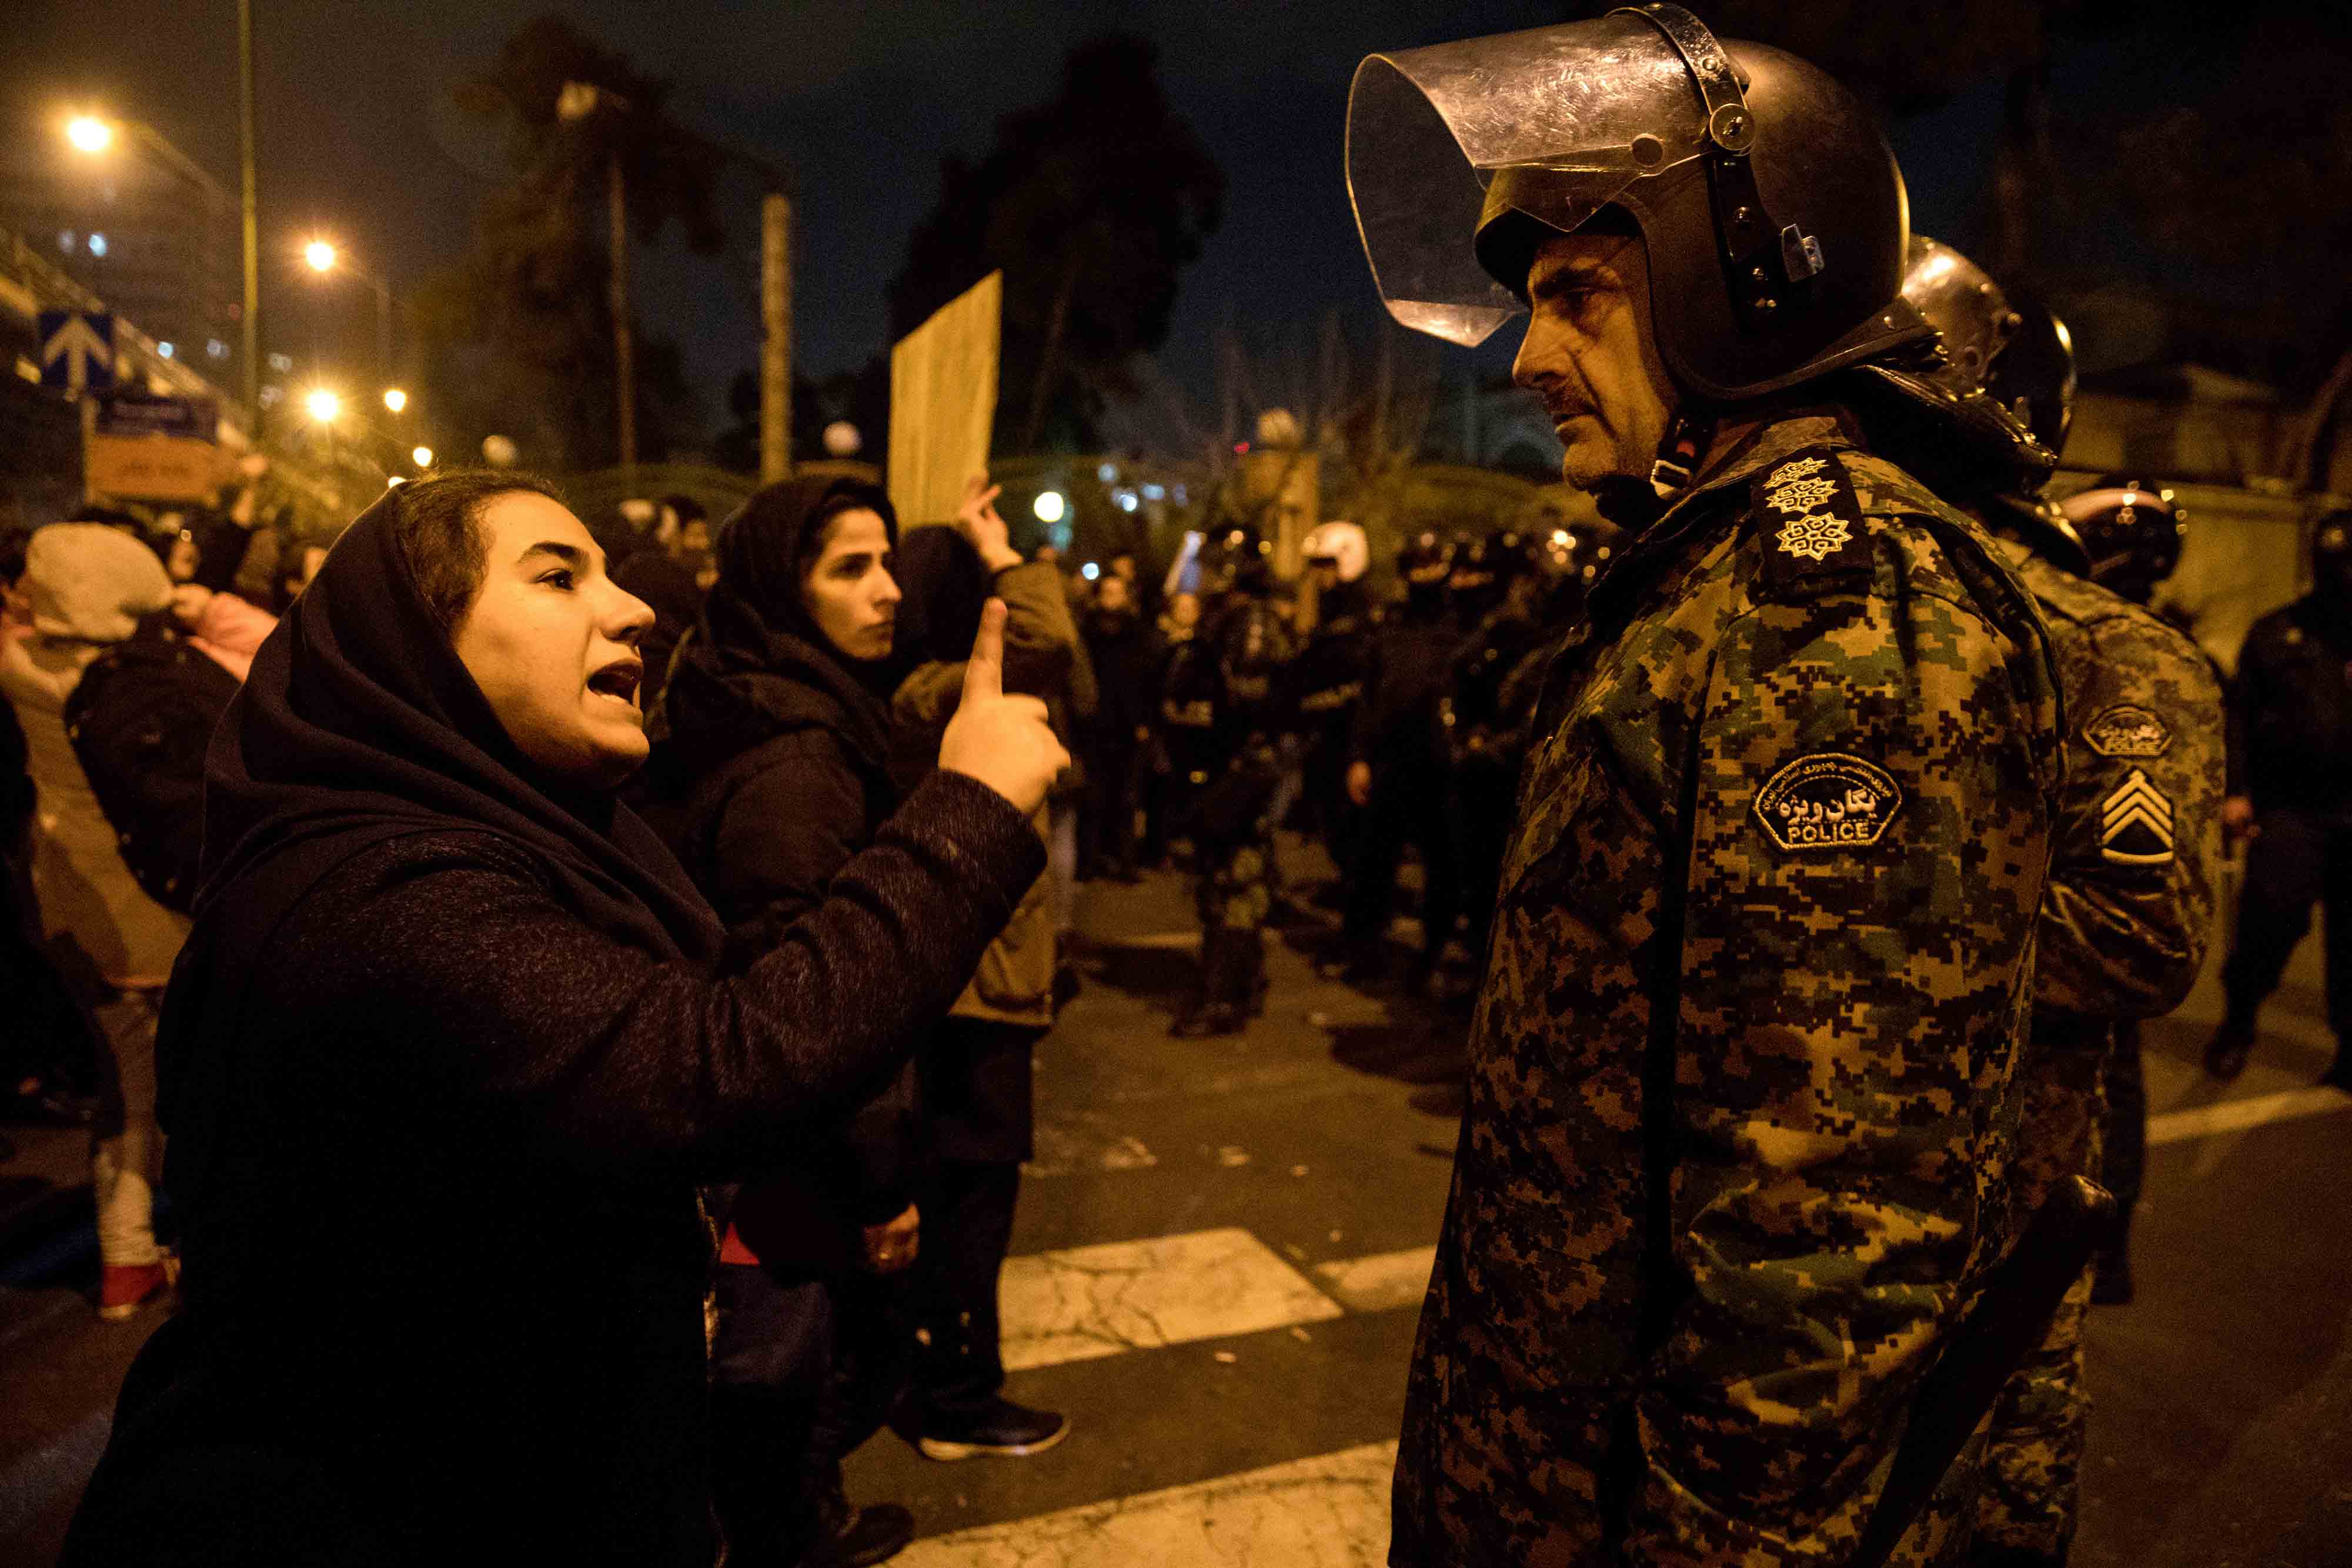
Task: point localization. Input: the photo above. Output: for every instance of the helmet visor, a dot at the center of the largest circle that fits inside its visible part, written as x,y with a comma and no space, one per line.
1575,113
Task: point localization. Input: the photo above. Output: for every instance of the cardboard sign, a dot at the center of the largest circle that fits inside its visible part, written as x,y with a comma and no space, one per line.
944,402
153,467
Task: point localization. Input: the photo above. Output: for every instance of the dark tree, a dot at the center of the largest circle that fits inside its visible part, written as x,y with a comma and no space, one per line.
521,329
1092,204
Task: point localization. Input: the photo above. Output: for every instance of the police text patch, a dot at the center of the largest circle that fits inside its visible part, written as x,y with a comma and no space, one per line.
1828,802
2135,823
2127,730
1808,517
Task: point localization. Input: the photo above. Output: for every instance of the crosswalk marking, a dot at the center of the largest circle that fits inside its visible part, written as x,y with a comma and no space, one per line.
1331,1511
1380,1282
2237,1115
1089,1301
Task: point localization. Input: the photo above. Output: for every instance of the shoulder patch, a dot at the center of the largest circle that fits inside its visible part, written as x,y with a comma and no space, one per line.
2127,730
2135,823
1829,800
1808,517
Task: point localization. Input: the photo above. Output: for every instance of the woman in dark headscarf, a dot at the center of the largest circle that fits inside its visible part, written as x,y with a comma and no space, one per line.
450,1047
777,712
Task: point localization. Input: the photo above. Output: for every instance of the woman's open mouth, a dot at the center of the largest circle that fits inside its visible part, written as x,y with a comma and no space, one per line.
619,680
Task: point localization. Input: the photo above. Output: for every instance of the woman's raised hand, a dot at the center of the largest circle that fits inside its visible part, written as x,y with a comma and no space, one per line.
1003,741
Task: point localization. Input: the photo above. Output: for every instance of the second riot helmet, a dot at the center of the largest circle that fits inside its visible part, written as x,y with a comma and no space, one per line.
2131,532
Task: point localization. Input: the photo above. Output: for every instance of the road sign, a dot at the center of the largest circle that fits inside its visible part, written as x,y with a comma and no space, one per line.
78,349
137,413
153,467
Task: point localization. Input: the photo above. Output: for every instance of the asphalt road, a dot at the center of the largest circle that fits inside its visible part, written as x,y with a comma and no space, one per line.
1219,1260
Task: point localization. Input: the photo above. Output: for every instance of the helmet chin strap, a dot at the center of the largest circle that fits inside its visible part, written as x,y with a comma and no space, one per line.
1634,502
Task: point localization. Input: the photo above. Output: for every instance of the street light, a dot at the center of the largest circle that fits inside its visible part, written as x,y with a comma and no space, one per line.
325,256
394,398
422,456
89,133
95,134
323,405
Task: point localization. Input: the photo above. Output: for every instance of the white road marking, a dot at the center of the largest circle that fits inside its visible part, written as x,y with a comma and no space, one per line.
1380,1282
1330,1511
2238,1115
1107,1300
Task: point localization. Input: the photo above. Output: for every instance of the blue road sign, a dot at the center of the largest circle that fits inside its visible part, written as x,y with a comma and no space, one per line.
78,349
135,414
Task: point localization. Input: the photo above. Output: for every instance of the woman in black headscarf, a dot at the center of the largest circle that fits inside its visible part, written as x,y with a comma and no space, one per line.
777,713
450,1048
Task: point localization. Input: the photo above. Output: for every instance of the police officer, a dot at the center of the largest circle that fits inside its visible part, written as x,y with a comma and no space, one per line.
1482,767
1737,1147
2133,536
1326,680
2130,897
1233,690
2291,795
1396,771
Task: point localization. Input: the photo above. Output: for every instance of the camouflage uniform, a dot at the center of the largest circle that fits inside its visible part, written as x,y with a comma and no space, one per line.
1736,1148
2123,932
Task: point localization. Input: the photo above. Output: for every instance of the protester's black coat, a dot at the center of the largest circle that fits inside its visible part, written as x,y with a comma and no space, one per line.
443,1062
787,746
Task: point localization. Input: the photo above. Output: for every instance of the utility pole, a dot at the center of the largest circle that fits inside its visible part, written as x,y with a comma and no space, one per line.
776,345
250,350
624,354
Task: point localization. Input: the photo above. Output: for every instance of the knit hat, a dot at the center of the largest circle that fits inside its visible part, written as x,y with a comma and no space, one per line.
91,583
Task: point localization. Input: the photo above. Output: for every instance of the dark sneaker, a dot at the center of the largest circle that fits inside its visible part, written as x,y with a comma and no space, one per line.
2226,1052
875,1533
1004,1431
1201,1022
2339,1075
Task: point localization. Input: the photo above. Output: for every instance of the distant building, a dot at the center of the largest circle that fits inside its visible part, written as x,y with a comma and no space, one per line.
158,245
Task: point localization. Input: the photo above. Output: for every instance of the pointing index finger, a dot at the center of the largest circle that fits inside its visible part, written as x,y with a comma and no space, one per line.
984,672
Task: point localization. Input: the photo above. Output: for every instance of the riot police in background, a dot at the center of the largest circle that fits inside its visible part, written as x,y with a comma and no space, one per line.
1396,771
1481,769
1736,1158
2123,917
1229,684
2132,535
1327,681
2290,796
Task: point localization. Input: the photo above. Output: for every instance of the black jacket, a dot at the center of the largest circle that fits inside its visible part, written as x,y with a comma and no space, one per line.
444,1063
2290,711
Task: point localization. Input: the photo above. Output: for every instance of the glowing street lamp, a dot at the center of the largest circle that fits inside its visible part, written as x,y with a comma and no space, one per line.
323,405
422,456
394,398
320,255
1049,507
89,133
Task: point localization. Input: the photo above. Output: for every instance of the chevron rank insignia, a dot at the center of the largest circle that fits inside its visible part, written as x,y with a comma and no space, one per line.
1808,518
2128,730
2135,823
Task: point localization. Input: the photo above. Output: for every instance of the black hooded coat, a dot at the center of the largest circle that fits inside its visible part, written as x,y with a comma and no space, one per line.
782,746
443,1062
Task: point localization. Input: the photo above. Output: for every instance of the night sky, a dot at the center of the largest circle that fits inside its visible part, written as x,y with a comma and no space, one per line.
359,137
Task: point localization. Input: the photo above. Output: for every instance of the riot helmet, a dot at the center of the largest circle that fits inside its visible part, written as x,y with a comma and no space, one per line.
1234,559
1426,563
2132,533
1971,314
1769,204
2331,558
1341,546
